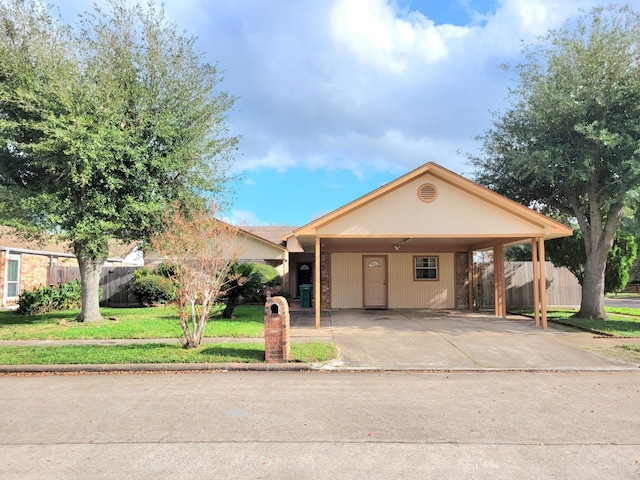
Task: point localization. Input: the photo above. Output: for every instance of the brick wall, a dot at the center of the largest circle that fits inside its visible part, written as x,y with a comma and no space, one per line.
33,271
462,280
67,262
325,280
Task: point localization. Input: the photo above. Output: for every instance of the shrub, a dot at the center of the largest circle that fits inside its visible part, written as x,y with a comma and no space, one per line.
248,282
65,296
166,270
152,289
140,273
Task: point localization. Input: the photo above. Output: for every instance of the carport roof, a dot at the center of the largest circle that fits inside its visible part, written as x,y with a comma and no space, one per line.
461,237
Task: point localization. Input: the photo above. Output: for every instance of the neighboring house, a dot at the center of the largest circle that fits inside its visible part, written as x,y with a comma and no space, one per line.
25,264
410,244
256,244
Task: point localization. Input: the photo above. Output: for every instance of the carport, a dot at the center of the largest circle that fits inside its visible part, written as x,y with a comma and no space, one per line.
411,244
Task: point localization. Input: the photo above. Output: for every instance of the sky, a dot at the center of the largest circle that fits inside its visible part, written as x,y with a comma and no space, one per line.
336,98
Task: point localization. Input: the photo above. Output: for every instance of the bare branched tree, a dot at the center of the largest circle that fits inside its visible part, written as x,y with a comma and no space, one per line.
201,249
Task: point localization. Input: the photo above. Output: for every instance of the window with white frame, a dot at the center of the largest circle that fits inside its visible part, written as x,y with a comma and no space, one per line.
426,268
12,275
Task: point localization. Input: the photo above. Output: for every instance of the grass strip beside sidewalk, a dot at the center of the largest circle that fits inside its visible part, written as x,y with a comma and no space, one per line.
157,353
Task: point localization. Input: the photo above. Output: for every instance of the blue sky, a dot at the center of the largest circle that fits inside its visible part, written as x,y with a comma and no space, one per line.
338,97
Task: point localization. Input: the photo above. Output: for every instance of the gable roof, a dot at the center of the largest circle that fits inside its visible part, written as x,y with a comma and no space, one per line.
260,238
497,203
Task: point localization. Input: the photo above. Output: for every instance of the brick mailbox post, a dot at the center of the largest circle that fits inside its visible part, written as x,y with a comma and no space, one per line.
276,330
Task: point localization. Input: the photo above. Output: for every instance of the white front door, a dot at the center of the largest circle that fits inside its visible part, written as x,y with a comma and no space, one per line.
375,281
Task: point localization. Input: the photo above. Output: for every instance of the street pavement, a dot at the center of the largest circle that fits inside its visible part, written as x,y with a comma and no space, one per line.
318,425
413,394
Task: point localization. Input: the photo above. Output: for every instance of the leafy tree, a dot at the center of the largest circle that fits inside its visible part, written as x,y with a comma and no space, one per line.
247,282
518,253
200,251
568,143
243,282
103,125
621,258
570,252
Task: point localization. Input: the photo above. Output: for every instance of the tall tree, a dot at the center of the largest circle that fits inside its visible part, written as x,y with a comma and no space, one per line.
102,125
569,141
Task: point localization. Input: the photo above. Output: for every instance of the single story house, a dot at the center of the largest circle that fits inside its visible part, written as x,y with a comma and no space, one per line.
410,244
25,264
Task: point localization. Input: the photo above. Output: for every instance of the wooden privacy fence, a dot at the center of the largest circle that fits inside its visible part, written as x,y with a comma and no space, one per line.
115,283
563,288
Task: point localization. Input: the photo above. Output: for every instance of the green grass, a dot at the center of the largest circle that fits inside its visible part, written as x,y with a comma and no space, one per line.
623,322
158,353
141,323
132,323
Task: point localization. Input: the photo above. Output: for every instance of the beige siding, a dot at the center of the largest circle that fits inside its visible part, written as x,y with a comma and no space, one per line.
454,212
346,280
405,292
254,249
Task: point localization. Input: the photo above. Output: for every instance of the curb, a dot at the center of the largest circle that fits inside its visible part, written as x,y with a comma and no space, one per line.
281,367
155,367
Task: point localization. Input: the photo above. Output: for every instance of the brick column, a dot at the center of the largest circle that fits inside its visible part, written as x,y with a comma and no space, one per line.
325,280
276,330
462,280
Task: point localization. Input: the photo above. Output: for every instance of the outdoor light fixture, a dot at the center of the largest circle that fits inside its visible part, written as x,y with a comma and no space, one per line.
396,246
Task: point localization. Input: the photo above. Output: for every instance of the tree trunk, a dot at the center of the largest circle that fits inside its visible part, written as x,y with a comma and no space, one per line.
592,305
232,302
90,269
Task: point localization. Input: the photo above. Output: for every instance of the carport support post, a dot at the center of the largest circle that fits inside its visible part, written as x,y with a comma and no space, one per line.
470,278
536,282
316,290
543,285
499,281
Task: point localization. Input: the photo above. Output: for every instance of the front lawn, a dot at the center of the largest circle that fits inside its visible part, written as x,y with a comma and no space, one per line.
131,323
623,322
158,353
141,323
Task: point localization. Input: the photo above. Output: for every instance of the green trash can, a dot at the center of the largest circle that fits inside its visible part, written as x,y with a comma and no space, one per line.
305,295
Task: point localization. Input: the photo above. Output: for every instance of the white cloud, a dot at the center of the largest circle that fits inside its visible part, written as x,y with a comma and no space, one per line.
361,84
276,159
241,218
378,34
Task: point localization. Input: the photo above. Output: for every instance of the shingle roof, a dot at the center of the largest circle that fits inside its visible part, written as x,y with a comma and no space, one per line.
272,233
49,244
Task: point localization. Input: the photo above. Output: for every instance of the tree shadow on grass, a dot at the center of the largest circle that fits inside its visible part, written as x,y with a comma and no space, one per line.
239,353
609,327
13,318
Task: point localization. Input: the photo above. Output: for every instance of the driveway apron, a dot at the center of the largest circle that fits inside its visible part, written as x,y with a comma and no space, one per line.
453,340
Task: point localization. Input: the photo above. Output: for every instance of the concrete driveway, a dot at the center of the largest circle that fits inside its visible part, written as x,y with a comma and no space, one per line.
450,340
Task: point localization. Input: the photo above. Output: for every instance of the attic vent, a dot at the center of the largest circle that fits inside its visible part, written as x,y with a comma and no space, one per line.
427,193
